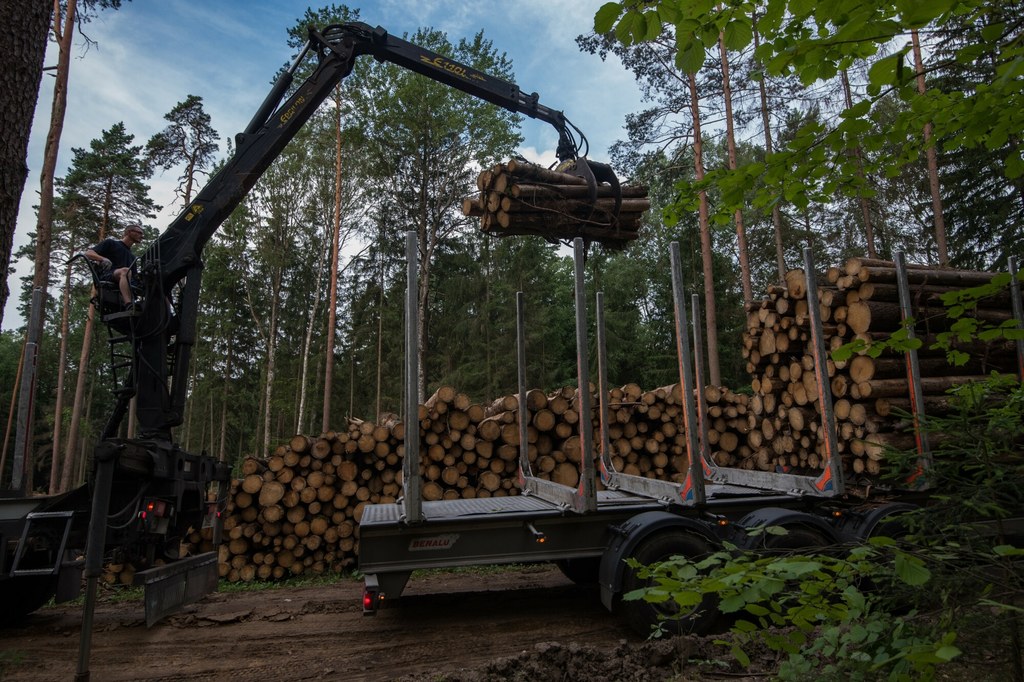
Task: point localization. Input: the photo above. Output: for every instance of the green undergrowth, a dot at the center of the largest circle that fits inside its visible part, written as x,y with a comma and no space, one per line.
941,598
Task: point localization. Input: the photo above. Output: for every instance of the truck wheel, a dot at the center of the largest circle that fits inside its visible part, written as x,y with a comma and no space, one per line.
642,615
581,571
21,596
797,537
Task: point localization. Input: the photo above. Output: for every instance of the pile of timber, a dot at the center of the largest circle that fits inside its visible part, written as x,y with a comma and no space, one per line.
857,301
298,510
521,198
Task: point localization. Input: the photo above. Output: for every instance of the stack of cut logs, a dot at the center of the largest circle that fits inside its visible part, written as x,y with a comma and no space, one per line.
298,510
858,301
520,198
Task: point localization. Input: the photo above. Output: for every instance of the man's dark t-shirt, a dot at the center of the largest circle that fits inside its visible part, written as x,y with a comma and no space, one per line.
117,252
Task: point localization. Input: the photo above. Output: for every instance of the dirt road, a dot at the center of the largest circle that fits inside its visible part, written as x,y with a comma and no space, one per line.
445,623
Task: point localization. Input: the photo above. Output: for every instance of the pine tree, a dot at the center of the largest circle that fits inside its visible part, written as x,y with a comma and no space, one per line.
189,140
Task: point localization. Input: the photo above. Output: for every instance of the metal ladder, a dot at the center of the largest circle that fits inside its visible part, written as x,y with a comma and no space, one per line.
56,523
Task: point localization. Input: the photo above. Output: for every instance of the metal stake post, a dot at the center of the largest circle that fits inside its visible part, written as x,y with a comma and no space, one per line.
583,498
587,491
1018,313
21,466
524,445
602,390
104,461
695,477
412,504
913,367
832,477
698,373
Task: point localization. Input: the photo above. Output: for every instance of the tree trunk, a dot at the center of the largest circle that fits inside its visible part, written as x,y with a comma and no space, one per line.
933,163
58,408
335,249
307,343
64,34
76,409
380,344
780,251
730,136
222,453
271,358
12,411
426,252
711,317
869,231
26,27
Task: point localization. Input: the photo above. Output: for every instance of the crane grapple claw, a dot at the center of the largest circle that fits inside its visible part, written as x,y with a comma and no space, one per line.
596,173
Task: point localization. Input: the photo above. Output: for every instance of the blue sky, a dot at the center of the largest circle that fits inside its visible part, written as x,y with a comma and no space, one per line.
151,54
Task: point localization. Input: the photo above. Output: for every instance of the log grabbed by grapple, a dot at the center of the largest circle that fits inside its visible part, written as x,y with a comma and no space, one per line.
583,199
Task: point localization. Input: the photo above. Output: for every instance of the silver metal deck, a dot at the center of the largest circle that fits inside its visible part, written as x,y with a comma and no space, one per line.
462,509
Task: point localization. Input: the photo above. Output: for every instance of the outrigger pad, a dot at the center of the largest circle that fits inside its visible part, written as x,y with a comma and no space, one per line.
579,199
168,588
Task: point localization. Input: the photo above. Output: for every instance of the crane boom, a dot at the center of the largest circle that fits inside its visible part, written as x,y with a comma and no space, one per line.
174,259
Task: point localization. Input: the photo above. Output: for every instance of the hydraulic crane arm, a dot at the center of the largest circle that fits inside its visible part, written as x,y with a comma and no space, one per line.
164,334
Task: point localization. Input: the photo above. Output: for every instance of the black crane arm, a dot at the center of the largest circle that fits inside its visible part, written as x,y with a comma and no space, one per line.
163,340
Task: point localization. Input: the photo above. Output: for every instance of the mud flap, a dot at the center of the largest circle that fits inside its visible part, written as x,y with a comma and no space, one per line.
168,588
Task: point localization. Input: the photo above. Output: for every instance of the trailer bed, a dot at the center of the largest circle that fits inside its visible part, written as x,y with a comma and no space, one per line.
513,529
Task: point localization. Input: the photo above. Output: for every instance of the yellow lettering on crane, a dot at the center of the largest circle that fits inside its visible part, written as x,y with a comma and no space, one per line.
287,116
451,67
193,211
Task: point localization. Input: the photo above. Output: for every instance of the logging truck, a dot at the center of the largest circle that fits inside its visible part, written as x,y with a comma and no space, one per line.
145,493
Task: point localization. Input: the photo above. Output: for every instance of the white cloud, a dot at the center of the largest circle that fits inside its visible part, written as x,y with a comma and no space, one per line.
152,55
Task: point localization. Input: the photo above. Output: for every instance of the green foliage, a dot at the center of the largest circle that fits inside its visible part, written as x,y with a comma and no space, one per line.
189,140
815,610
973,102
890,608
108,180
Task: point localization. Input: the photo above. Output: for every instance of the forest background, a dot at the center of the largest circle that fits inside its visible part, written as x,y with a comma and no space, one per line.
762,128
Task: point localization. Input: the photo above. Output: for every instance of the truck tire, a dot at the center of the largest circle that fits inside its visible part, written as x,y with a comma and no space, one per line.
642,615
797,537
22,595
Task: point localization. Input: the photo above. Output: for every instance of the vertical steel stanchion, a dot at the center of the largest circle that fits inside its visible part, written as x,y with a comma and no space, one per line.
602,389
831,480
411,484
524,445
1018,313
587,491
104,463
698,373
695,477
21,465
913,369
